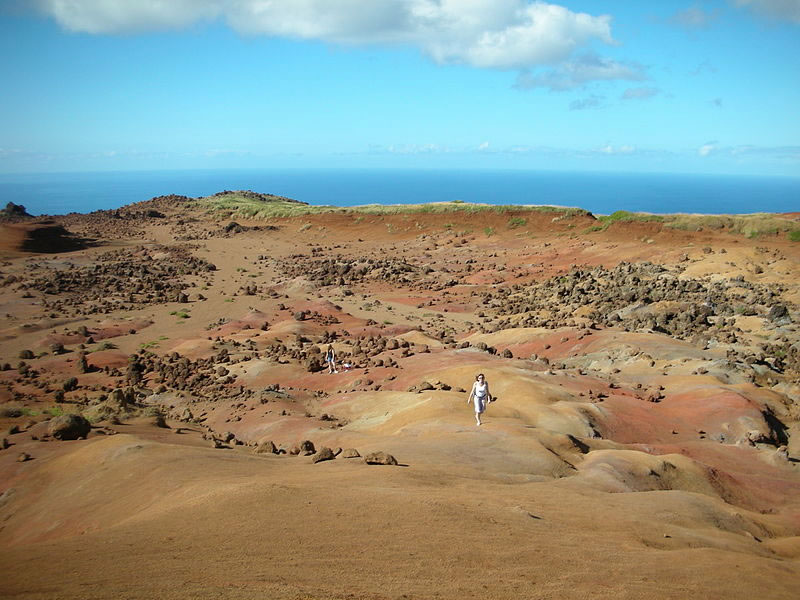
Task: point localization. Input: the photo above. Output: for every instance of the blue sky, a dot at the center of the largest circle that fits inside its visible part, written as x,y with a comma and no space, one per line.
621,85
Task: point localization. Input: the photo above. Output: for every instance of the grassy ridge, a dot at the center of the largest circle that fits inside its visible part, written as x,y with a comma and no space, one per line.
249,205
751,226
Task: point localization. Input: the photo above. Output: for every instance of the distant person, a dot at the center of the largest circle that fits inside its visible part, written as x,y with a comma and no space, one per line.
480,396
330,358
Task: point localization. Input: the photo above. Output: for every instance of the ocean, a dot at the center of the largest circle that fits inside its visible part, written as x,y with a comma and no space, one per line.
600,193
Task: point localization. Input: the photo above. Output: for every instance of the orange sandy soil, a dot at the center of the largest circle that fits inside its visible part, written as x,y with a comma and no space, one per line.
577,485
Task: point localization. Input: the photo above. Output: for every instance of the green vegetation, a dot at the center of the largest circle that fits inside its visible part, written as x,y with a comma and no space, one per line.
104,346
251,205
751,226
489,231
54,411
264,206
181,314
625,216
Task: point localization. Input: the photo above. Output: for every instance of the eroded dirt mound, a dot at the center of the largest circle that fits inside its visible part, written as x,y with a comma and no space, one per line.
44,237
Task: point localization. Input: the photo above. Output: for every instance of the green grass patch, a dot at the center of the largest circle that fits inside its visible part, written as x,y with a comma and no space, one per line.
251,205
265,206
181,314
489,231
54,411
625,216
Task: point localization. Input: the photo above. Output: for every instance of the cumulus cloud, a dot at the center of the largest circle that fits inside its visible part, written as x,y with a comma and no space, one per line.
576,73
115,16
782,10
497,34
640,93
693,17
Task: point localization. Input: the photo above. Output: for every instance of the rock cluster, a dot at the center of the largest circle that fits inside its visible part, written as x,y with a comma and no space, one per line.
635,296
347,271
122,280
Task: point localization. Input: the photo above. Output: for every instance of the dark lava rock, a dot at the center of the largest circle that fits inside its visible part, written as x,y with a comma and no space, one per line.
14,210
69,427
307,447
777,312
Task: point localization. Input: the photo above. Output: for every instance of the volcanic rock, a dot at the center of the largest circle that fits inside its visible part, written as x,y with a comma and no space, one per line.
69,427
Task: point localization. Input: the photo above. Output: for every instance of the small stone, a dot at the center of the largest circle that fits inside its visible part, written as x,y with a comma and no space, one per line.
23,457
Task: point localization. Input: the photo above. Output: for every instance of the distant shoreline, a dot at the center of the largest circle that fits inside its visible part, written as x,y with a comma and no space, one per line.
599,193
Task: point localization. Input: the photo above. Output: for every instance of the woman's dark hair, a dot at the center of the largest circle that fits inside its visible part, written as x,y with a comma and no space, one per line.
479,375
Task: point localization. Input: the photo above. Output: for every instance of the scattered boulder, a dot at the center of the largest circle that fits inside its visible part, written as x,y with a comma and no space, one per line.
778,312
266,447
159,421
324,453
307,447
69,427
350,453
380,458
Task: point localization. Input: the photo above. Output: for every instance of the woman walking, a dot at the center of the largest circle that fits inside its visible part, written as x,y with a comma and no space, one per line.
480,396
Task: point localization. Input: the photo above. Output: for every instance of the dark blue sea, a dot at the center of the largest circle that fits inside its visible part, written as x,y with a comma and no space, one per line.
601,193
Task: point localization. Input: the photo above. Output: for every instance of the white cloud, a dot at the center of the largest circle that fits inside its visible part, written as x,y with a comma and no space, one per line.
122,16
783,10
640,93
624,149
577,73
483,146
707,149
498,34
